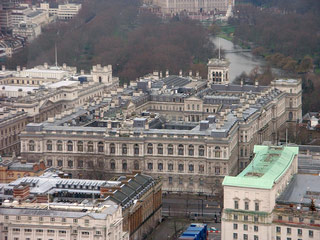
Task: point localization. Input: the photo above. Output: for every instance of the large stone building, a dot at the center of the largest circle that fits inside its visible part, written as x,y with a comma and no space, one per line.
193,6
56,208
269,200
190,131
42,92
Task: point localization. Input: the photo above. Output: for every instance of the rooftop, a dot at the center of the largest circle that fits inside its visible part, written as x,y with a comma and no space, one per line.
267,167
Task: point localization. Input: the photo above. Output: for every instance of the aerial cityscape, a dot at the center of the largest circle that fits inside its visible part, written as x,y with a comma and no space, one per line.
159,120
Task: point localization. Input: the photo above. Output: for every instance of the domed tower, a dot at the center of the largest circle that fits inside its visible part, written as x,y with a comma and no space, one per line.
218,71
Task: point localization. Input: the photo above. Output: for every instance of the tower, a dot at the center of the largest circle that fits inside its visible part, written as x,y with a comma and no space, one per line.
218,71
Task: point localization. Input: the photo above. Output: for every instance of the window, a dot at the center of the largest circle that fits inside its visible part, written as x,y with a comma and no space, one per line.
80,146
124,165
255,237
245,227
85,233
310,233
63,220
170,180
70,146
170,167
180,181
98,233
70,164
50,231
80,163
150,148
136,149
236,204
235,226
112,165
180,167
150,166
301,219
191,167
62,232
160,166
180,149
86,221
191,150
31,146
201,150
217,152
299,232
256,219
191,181
49,145
256,206
311,221
246,205
15,230
160,148
52,219
90,146
124,149
201,168
170,149
235,217
60,163
75,220
39,230
245,218
288,230
278,229
112,148
29,218
59,145
278,238
290,219
235,235
136,165
49,162
255,228
100,147
280,217
245,236
41,219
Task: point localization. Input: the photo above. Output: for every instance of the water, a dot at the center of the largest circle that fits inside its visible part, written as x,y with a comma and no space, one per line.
239,61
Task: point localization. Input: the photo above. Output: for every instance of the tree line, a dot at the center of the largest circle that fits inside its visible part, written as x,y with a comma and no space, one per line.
115,32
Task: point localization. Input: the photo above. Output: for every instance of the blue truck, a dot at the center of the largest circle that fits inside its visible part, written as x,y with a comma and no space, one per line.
196,231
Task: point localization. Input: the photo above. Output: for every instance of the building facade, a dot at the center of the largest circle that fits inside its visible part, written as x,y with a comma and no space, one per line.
250,197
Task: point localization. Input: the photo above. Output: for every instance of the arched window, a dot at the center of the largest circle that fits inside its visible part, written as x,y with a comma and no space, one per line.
180,167
160,166
136,149
170,149
170,167
112,148
124,165
180,149
217,152
191,150
100,147
90,146
150,148
160,148
70,164
70,146
59,145
124,149
112,165
191,167
80,146
136,165
49,145
150,166
201,150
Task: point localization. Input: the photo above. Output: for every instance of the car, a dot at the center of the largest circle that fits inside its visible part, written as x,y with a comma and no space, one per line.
213,230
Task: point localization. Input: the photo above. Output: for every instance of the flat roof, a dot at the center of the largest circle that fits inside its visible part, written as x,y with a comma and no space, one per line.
301,189
16,88
268,165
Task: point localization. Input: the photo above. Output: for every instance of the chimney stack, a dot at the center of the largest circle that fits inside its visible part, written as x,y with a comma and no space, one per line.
167,73
180,73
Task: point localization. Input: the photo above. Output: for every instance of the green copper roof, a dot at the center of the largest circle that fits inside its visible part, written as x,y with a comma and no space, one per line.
268,165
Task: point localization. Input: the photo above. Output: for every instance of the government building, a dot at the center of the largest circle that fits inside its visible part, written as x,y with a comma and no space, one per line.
189,131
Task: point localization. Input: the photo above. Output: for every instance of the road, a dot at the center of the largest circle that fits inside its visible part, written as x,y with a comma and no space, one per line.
189,207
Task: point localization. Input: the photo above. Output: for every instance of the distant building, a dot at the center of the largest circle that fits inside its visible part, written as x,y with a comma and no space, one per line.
11,170
250,199
62,11
193,6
